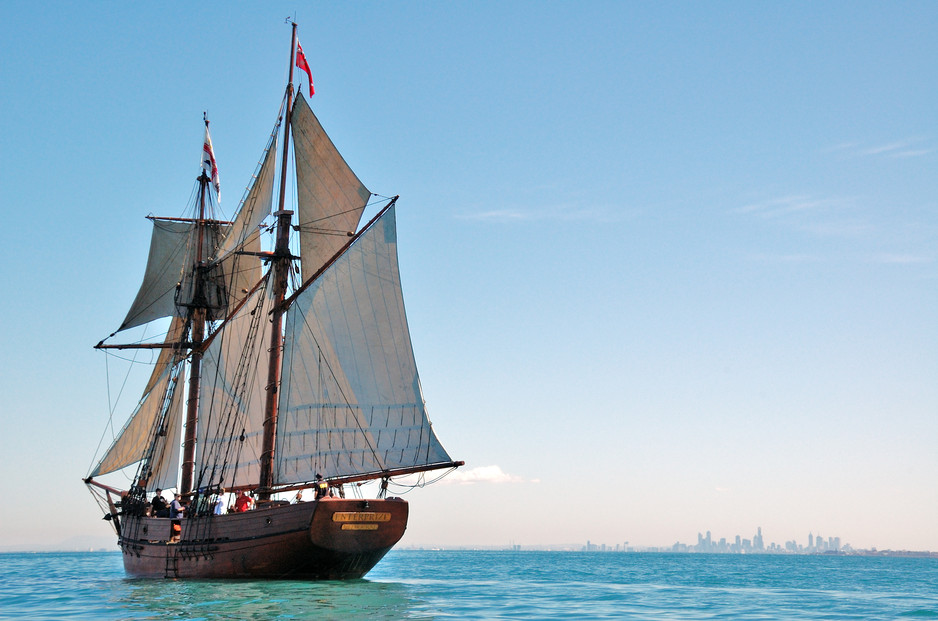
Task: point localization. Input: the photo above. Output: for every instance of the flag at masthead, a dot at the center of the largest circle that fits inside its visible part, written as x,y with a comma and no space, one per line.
304,65
208,161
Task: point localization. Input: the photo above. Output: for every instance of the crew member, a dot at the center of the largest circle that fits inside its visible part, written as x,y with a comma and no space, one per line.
321,487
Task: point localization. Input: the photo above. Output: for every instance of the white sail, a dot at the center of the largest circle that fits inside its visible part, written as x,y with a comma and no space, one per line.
166,356
242,271
231,398
330,198
172,252
350,399
165,460
256,206
203,287
131,443
156,297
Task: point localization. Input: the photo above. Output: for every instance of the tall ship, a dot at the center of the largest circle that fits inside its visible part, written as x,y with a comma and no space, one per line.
283,370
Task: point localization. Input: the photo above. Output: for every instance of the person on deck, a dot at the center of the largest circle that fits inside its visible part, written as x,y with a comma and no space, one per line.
176,508
243,502
158,506
219,507
321,487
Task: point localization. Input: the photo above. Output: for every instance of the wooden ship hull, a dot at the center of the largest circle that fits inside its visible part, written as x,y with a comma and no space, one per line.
329,539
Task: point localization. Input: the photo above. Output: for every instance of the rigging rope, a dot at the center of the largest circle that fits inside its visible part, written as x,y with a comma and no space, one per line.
112,405
235,393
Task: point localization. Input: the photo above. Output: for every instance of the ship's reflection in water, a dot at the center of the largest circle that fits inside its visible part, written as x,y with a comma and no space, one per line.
275,599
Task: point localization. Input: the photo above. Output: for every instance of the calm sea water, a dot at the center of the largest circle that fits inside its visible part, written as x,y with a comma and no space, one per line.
492,585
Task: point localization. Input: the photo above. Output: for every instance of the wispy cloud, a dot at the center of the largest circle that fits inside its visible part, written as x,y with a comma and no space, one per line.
784,258
892,147
556,213
844,228
777,207
911,152
498,215
901,259
910,147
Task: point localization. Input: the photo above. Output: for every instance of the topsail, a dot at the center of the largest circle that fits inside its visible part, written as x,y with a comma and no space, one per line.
330,198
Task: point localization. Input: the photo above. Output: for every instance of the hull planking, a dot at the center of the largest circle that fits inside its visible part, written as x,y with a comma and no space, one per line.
329,539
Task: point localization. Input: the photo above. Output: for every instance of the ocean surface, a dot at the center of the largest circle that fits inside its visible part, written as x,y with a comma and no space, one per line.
491,585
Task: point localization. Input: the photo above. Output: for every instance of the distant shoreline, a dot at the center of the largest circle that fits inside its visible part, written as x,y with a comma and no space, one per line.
569,549
651,550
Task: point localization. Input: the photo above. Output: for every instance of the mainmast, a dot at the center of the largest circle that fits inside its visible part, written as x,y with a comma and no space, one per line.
281,264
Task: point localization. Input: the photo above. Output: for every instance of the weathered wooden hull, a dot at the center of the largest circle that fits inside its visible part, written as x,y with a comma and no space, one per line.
330,539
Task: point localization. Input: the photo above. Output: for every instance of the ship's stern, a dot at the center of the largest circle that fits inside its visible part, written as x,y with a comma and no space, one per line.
350,536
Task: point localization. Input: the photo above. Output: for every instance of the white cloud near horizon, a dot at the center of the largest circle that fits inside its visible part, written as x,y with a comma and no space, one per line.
483,474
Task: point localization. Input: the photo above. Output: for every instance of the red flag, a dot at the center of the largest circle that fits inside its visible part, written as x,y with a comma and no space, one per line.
208,161
302,64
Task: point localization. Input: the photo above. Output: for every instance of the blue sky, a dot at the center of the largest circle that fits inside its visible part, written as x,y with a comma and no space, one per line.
669,267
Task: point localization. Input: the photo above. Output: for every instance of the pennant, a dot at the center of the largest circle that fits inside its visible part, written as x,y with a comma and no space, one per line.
302,64
208,162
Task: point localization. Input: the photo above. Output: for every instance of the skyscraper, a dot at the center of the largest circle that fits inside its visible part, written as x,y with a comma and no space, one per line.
757,543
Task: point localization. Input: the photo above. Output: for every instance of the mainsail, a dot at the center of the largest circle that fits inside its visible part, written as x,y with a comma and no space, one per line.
350,400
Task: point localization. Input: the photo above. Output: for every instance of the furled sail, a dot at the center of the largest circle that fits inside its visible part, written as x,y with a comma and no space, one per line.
350,399
132,442
330,198
231,398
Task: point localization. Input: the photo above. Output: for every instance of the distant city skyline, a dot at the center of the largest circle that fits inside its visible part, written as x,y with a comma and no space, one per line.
706,544
756,544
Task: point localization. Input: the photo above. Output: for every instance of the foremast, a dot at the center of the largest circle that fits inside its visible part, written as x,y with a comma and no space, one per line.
194,300
281,263
197,319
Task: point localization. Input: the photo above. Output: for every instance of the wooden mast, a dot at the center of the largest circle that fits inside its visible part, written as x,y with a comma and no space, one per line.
198,334
281,264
